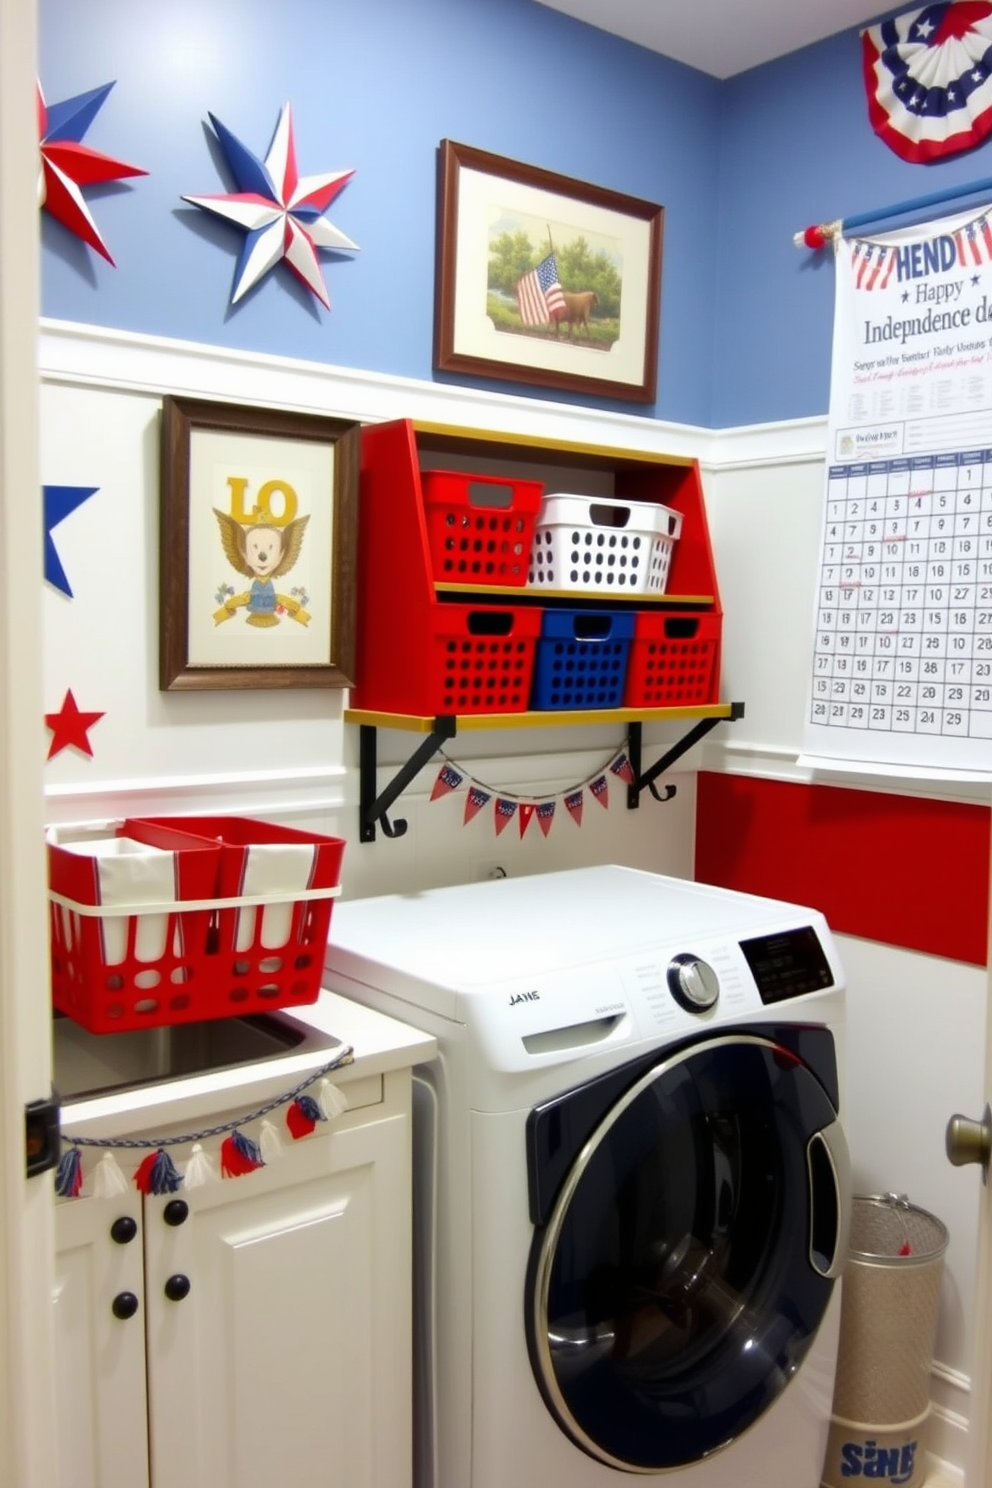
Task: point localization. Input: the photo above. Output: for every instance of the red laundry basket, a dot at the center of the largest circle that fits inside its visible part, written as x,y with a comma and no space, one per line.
243,931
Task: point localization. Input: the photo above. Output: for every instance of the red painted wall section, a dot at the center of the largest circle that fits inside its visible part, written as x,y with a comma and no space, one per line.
897,869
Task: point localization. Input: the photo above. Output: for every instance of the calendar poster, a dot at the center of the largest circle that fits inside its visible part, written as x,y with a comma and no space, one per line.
902,652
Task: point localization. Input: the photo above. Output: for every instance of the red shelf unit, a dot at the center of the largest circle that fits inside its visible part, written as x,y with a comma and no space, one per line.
404,604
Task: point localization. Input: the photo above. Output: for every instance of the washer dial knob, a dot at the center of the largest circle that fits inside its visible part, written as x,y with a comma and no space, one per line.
693,983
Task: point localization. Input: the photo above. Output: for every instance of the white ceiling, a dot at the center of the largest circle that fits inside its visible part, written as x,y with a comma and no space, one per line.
721,37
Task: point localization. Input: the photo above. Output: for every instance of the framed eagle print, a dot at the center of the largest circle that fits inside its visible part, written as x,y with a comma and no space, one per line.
258,547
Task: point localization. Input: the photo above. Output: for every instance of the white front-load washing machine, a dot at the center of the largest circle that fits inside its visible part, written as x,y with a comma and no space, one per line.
631,1182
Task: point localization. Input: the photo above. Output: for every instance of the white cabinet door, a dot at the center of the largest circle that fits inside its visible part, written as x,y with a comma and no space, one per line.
100,1403
288,1361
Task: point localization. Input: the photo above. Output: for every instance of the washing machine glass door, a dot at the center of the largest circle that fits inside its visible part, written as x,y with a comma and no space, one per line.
688,1260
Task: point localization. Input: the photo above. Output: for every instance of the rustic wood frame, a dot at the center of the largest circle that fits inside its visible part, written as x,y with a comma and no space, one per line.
464,339
183,421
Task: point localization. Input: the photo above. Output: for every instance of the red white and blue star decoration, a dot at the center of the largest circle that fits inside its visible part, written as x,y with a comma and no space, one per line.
280,211
67,165
928,76
60,502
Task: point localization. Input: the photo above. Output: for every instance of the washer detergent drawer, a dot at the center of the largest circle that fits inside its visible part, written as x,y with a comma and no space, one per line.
677,1283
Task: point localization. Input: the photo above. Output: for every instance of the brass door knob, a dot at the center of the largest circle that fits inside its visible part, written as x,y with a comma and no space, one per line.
969,1141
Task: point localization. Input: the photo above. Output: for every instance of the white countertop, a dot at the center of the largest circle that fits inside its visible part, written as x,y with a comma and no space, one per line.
379,1045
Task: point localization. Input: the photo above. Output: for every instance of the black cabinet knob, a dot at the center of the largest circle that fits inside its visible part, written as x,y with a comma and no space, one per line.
176,1212
123,1230
124,1305
177,1287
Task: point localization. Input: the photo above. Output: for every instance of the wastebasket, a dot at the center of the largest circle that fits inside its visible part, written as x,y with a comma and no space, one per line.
888,1322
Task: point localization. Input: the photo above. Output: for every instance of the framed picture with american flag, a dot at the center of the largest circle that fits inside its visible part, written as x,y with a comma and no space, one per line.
545,280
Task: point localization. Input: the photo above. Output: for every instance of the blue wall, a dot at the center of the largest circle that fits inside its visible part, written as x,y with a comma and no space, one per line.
739,167
798,149
374,86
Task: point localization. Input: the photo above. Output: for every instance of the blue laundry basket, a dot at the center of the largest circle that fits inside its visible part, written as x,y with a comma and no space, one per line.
581,659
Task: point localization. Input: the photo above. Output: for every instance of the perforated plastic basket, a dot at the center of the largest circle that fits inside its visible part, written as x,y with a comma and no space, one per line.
479,527
480,661
601,545
222,946
673,660
582,659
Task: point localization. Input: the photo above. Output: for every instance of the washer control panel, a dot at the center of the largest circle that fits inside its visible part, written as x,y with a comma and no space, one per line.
693,983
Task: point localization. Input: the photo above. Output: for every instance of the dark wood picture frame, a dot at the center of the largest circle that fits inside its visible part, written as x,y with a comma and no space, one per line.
478,193
195,526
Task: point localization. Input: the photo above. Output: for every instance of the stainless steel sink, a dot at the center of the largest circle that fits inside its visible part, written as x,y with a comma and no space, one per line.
91,1064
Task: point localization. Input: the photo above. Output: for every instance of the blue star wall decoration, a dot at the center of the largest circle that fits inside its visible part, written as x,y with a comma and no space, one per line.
58,503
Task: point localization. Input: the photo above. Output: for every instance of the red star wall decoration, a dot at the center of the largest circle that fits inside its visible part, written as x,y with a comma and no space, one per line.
67,165
70,728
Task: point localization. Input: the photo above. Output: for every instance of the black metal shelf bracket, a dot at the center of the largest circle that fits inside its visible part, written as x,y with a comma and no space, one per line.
373,808
645,779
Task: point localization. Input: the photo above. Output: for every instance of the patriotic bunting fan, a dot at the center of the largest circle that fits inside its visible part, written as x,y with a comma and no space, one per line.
928,77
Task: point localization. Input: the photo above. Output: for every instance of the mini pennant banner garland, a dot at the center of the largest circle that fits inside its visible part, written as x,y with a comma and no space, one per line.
601,790
239,1152
545,815
621,768
448,780
504,811
507,805
474,802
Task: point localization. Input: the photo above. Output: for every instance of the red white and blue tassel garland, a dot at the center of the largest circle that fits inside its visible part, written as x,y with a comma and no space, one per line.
158,1174
108,1179
269,1143
201,1169
239,1153
302,1116
332,1101
69,1174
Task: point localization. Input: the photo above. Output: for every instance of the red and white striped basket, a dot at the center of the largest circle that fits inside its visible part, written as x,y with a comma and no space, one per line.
180,919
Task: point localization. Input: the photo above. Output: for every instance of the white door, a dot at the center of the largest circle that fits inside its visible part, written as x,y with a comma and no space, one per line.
27,1371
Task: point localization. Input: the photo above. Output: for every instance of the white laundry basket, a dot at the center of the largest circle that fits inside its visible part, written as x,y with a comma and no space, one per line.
599,544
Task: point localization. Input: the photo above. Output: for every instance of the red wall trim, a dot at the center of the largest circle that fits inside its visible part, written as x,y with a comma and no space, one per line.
898,869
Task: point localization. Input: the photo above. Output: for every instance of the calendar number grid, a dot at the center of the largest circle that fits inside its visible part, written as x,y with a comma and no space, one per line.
903,638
